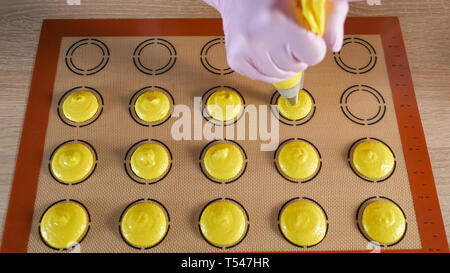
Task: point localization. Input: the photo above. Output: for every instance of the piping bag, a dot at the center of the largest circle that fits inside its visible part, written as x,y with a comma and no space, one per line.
311,15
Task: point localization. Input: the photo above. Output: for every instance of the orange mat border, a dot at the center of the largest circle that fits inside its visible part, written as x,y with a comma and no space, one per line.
23,192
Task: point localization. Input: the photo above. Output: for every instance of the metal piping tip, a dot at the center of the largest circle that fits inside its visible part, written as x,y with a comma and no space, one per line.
291,94
292,101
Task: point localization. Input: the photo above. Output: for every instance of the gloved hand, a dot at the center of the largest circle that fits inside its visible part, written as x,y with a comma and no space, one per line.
264,42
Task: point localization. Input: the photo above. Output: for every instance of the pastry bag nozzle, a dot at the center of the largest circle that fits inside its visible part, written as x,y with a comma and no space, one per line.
311,15
290,88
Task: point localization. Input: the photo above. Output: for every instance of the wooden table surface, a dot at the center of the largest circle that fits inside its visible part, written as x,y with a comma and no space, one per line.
425,25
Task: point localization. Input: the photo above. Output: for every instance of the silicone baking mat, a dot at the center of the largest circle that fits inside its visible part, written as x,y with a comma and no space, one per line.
364,91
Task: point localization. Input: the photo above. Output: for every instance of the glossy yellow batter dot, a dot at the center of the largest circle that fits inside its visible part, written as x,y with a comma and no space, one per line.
144,225
224,105
298,111
373,159
149,161
64,224
152,106
223,161
80,106
298,159
303,223
383,222
223,223
72,162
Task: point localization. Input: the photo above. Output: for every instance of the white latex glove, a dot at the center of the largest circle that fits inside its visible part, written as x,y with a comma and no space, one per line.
264,42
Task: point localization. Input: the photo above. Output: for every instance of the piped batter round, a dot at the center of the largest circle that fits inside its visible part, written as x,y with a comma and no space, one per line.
72,162
223,223
152,106
149,161
223,161
383,222
303,223
64,224
298,160
298,111
144,225
224,105
373,159
80,106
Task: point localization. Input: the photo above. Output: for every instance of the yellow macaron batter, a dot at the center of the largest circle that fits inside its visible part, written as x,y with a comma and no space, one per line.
149,161
72,162
223,161
303,223
383,222
144,225
313,15
298,159
80,106
223,223
373,159
152,106
224,105
289,83
64,224
298,111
